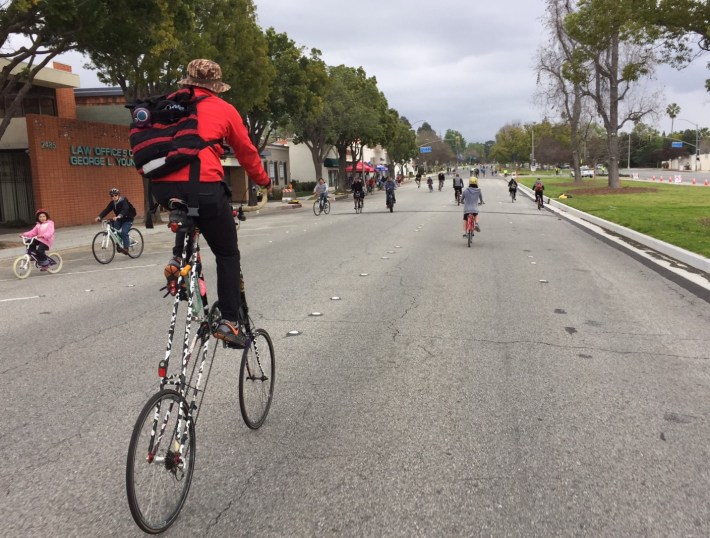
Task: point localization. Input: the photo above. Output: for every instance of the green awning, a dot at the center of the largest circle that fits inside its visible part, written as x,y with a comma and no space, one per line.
330,163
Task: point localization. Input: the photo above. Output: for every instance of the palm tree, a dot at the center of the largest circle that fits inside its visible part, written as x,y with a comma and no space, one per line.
672,110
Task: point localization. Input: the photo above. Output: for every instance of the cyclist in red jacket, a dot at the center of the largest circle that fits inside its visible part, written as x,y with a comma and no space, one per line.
217,120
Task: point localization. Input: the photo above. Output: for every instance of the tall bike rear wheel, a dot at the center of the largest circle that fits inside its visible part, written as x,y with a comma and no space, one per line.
256,379
103,247
317,208
160,463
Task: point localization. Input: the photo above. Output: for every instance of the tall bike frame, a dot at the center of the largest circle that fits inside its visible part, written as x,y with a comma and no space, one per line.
161,454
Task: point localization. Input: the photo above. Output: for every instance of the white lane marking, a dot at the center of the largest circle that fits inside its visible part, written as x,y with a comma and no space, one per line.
102,270
19,299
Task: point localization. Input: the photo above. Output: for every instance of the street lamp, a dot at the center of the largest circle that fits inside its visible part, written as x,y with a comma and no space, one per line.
697,141
532,153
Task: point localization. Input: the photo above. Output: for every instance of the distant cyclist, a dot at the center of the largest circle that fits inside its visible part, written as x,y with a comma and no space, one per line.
472,197
321,189
513,187
430,182
358,191
539,188
442,177
458,186
390,187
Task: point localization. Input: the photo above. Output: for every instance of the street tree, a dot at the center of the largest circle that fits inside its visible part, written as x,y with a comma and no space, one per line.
559,87
615,52
357,112
672,110
295,92
401,143
512,145
456,141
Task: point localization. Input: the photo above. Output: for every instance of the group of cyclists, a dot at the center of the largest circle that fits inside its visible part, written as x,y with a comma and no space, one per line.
472,197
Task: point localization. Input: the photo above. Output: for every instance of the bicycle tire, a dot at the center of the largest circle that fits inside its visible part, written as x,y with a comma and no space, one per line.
22,267
162,471
316,208
470,237
257,373
326,207
103,255
135,239
58,262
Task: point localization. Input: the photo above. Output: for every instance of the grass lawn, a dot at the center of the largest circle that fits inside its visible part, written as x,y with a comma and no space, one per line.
679,215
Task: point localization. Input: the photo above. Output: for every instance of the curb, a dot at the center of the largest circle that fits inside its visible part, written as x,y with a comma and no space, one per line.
606,228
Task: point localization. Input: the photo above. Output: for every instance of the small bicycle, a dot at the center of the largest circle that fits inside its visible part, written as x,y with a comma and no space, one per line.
161,454
469,228
458,197
106,243
23,265
321,206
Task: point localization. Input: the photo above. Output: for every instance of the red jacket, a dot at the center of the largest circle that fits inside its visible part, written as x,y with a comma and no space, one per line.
217,119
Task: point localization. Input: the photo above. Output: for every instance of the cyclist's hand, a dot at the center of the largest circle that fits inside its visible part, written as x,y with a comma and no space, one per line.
97,219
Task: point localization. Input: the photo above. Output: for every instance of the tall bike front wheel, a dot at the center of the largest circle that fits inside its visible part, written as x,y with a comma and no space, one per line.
103,247
256,379
317,208
326,206
160,463
135,240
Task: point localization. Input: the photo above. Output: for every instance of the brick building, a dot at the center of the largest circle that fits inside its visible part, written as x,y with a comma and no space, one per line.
67,147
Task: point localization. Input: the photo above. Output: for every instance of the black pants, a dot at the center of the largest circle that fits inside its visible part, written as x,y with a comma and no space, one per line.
40,250
216,224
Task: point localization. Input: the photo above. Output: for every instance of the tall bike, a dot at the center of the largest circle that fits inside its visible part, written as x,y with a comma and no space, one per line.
23,264
161,453
106,242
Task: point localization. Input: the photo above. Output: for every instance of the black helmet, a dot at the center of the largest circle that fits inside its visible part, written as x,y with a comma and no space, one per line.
114,191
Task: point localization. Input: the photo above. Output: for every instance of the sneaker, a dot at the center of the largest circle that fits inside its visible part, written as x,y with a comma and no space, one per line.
465,235
44,268
230,333
477,228
121,250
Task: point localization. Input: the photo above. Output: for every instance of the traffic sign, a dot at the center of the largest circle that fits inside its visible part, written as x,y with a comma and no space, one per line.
676,144
425,149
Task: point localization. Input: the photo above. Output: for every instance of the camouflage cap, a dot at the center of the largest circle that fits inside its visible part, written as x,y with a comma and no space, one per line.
205,74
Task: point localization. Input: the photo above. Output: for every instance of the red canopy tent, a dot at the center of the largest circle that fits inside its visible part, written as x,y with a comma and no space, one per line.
358,167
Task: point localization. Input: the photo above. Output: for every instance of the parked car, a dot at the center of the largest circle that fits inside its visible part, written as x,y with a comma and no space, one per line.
584,171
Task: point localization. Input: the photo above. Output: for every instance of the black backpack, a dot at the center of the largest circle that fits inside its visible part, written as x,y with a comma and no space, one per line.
131,209
164,137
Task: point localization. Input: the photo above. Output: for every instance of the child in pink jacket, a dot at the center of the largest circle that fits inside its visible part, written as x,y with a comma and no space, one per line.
43,234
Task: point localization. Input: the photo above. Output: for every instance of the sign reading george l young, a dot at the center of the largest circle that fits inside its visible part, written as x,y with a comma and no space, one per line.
100,156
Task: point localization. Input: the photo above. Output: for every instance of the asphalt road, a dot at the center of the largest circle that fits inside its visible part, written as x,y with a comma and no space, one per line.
540,383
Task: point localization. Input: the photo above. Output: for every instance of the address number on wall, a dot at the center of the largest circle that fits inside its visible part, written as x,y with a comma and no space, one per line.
48,144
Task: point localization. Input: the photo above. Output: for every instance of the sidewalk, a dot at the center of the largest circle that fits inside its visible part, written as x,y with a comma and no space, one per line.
81,236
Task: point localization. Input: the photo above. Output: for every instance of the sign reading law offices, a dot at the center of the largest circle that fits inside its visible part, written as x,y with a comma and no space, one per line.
100,156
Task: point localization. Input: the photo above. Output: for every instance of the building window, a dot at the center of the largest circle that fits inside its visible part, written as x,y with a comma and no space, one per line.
282,172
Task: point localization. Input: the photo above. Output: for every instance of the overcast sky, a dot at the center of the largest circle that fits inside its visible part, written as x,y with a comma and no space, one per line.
466,65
